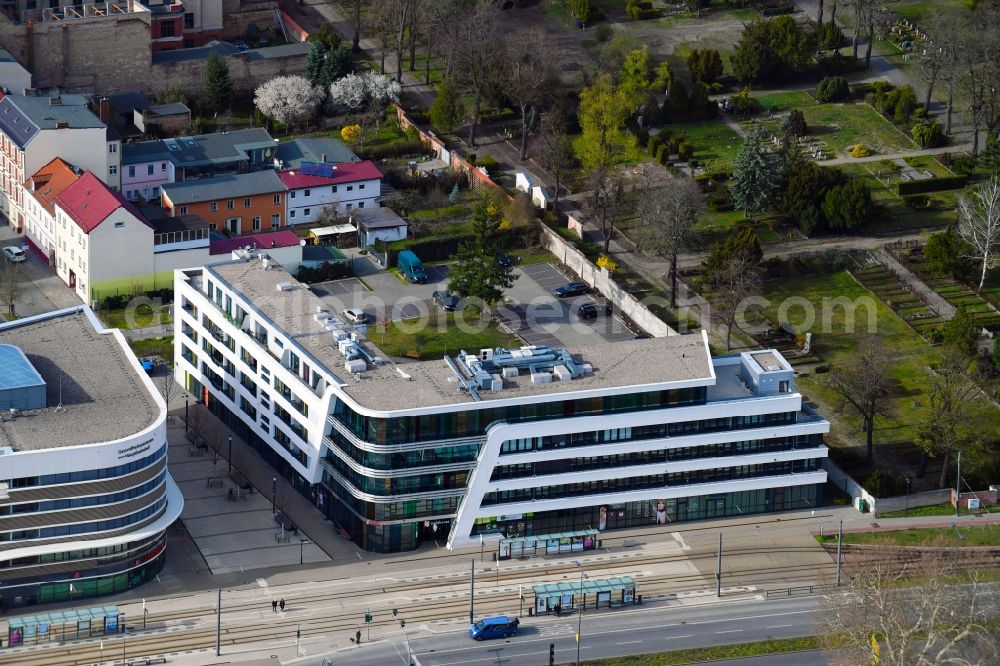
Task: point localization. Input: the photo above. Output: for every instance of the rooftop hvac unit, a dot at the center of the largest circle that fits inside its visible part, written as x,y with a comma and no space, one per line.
562,372
344,344
355,365
486,354
285,286
510,372
338,334
541,377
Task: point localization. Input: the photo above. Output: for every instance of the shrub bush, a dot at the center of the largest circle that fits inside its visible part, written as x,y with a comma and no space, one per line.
795,122
860,150
662,154
685,151
833,89
881,483
488,162
928,134
654,142
829,36
917,201
930,185
641,136
963,165
332,270
719,200
397,149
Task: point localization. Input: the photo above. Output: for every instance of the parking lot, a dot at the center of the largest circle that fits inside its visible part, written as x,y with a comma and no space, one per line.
39,288
531,309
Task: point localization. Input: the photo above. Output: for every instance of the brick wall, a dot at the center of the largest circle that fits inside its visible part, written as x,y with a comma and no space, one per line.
238,15
76,56
246,73
986,498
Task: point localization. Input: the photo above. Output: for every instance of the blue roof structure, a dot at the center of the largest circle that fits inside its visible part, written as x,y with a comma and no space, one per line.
16,370
21,387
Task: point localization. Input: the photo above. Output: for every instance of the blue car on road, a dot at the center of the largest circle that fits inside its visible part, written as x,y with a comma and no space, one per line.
500,626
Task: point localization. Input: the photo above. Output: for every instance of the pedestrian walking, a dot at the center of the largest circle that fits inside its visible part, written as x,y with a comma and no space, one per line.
357,636
274,605
281,605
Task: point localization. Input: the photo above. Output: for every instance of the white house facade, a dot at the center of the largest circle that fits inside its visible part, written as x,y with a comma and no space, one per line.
316,187
526,442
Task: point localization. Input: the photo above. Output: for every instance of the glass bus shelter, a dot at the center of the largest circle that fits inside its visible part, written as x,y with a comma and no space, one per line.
567,595
548,544
62,626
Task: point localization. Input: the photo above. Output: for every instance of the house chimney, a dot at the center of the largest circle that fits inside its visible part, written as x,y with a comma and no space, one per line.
62,124
104,111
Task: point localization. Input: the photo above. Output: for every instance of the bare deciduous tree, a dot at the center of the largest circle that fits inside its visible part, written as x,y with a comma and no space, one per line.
393,18
911,610
667,215
555,150
608,194
979,225
863,385
10,286
979,69
527,77
946,430
734,282
478,55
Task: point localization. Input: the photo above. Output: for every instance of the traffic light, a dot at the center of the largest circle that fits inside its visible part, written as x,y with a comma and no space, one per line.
395,612
402,623
368,618
552,654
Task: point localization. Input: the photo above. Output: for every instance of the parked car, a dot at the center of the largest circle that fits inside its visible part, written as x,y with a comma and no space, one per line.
587,311
355,316
572,289
503,260
500,626
14,254
447,300
411,268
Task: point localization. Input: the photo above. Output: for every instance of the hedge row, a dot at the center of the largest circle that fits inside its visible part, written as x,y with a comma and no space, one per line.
931,185
440,248
396,149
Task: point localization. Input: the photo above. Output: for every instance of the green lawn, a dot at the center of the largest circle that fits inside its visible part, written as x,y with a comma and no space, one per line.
841,126
439,335
138,317
945,509
963,536
918,10
910,356
163,347
786,100
715,145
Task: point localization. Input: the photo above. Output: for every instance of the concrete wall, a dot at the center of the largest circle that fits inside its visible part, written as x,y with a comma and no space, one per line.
845,482
13,77
600,279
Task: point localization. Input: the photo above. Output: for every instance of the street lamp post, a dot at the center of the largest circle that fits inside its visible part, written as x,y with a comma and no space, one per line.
907,482
482,546
124,636
230,455
274,495
186,427
302,542
958,486
579,621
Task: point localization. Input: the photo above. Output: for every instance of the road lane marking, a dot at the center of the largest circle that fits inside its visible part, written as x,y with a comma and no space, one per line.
729,631
627,642
780,626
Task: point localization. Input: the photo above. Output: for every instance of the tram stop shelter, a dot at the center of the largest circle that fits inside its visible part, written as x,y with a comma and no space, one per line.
63,625
548,544
567,595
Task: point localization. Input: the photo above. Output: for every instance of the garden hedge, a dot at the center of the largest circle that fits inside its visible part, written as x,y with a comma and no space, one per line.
931,185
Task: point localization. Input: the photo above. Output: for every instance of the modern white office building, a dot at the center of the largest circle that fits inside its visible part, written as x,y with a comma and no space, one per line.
85,497
532,441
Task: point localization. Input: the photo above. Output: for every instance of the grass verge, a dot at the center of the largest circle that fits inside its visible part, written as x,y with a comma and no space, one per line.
163,347
964,536
945,509
716,652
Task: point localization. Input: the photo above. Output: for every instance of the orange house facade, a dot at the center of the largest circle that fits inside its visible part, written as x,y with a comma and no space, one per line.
236,204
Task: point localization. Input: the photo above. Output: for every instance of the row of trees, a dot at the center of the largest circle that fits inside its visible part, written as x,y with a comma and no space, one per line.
291,100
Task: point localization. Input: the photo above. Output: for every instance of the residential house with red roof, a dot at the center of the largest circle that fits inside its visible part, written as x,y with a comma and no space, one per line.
103,243
40,192
314,187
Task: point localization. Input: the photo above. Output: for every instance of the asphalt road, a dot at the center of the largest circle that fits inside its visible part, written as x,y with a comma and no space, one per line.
607,633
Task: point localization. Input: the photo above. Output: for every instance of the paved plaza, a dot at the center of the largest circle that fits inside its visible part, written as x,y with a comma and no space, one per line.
234,528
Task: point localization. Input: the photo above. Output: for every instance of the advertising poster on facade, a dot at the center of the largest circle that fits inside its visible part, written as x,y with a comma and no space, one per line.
661,512
602,523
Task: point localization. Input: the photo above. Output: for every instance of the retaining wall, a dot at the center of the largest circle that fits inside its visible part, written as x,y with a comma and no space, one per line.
600,279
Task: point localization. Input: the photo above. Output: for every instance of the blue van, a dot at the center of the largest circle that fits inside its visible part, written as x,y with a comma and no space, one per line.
411,268
500,626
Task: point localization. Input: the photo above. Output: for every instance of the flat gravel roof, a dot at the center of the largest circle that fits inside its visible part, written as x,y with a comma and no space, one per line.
89,374
680,358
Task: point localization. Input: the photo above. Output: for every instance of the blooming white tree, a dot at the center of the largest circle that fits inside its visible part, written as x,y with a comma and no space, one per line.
356,91
288,99
979,225
349,92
